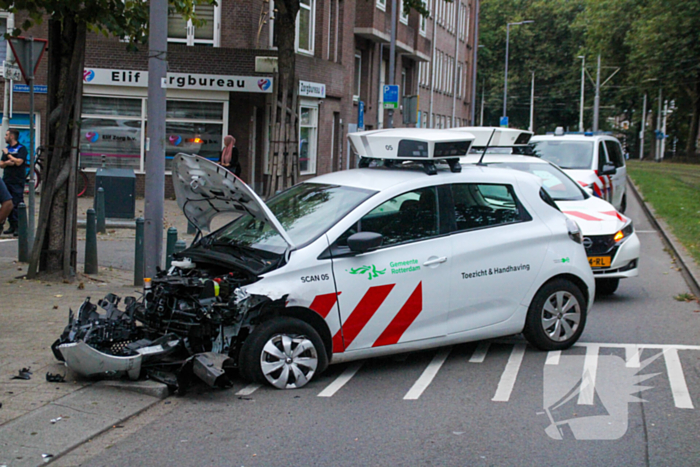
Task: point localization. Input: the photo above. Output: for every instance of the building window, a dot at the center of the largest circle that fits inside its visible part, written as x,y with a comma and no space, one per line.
381,4
425,119
306,20
403,18
3,30
404,91
358,76
423,29
308,137
184,32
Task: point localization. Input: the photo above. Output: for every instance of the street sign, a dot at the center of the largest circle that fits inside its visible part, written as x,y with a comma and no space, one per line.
361,115
11,71
28,53
504,122
391,96
38,88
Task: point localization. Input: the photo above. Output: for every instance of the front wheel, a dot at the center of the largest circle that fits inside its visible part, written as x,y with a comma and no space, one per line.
606,286
283,352
556,317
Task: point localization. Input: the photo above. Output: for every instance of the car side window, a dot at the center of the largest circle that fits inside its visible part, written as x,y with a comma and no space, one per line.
486,205
615,153
602,157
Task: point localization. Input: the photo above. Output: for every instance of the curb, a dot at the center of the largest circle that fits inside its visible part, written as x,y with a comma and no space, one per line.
689,270
111,224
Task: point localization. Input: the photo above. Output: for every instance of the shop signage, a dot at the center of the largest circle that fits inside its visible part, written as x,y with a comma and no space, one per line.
133,78
309,89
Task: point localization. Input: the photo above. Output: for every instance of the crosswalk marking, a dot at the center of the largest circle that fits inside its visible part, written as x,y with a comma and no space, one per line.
681,396
480,352
248,390
341,380
632,356
553,357
428,374
590,368
505,385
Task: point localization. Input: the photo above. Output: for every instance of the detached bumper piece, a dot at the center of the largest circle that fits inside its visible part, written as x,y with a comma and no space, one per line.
88,361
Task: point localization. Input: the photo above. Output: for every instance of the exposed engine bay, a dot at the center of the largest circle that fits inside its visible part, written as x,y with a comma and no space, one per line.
190,321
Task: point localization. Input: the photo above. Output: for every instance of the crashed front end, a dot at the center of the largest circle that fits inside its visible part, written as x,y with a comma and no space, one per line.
189,322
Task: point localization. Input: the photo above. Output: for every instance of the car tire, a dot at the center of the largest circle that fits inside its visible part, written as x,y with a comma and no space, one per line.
556,316
623,204
606,286
283,352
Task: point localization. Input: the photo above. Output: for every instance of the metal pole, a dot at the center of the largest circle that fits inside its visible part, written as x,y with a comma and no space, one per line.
483,95
583,88
532,103
643,130
663,130
505,78
392,57
155,146
138,253
476,48
657,154
90,243
32,175
8,83
596,103
431,119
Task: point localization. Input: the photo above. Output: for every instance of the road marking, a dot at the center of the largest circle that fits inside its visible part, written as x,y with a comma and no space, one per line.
8,240
480,352
632,356
590,368
646,231
641,346
505,385
553,357
341,380
428,374
248,390
681,396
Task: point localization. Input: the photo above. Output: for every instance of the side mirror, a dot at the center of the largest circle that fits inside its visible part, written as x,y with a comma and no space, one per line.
362,242
608,169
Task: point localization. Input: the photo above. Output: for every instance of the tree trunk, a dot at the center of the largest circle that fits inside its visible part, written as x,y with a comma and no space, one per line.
66,60
691,144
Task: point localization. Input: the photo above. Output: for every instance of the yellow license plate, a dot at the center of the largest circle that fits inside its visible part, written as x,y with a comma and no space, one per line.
599,261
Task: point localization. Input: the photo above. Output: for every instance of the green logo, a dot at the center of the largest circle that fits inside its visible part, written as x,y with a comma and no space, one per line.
565,260
371,271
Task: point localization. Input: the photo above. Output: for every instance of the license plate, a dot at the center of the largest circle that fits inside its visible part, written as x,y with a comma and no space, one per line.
599,261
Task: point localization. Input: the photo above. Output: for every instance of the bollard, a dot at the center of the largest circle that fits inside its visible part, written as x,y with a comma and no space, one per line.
90,243
100,210
170,246
23,234
138,260
191,229
179,246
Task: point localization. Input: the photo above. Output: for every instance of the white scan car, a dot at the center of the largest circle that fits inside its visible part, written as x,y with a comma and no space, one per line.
611,244
362,263
595,161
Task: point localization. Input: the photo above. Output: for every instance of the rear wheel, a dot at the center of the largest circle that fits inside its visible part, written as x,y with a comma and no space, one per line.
283,352
556,317
606,286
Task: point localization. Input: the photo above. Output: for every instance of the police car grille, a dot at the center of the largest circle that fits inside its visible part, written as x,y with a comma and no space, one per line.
600,245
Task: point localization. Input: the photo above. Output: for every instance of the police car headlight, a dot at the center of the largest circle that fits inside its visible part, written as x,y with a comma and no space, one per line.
574,231
624,233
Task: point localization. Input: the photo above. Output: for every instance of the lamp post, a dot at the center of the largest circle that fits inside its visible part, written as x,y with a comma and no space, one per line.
583,74
505,80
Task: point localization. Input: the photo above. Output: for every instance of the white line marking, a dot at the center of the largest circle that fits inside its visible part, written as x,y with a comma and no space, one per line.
641,346
248,390
341,380
553,357
632,356
681,396
646,231
480,352
510,373
429,373
590,368
8,240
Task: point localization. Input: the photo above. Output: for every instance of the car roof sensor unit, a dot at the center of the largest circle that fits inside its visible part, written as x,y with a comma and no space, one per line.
500,137
419,145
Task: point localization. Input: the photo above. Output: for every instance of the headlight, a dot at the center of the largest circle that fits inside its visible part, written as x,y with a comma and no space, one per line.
574,231
624,233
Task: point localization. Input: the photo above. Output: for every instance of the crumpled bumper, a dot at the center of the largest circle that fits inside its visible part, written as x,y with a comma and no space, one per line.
88,361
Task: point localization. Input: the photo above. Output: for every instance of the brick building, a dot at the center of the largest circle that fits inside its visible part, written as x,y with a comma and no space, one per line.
220,82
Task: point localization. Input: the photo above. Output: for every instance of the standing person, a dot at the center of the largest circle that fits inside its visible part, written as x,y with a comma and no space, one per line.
229,155
14,163
6,203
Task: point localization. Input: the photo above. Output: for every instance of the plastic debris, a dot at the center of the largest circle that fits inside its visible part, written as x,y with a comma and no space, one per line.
55,378
24,373
54,420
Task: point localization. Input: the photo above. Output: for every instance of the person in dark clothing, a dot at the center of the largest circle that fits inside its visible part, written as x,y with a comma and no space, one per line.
229,156
14,163
6,204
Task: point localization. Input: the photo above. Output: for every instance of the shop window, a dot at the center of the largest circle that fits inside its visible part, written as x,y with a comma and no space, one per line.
183,31
306,26
117,141
308,138
203,139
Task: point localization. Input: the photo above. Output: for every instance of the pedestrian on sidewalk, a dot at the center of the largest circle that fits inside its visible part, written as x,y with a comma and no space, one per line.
6,203
14,163
229,155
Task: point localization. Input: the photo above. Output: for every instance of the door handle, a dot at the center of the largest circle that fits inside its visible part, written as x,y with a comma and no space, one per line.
435,261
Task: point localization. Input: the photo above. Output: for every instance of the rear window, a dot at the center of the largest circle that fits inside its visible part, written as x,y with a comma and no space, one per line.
565,154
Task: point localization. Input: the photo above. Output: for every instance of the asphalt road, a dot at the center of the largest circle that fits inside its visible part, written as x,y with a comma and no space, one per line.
497,403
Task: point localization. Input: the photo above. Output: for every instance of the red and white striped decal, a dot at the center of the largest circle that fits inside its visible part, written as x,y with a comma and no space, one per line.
360,316
581,215
323,304
403,319
615,214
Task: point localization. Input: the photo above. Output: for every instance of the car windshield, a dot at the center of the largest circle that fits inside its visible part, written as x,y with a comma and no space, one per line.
565,154
559,186
305,211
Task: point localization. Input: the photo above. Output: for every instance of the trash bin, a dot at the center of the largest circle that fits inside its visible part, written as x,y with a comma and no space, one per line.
120,192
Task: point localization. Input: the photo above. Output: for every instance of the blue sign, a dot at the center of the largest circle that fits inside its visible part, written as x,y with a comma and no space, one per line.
361,115
391,96
504,122
38,88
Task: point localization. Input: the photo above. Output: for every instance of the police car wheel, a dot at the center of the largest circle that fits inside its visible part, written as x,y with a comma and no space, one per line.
283,352
556,316
606,286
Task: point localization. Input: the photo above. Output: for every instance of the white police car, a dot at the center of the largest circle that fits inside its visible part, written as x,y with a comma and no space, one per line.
611,244
363,263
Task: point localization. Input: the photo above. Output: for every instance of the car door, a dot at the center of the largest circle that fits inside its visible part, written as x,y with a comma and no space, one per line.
398,292
619,179
497,251
605,180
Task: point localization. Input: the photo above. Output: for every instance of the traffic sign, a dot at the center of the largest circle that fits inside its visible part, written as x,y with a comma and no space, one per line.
361,115
391,96
28,53
11,71
504,122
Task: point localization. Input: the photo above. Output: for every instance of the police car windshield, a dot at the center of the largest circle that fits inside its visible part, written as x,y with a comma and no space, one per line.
305,211
565,154
555,182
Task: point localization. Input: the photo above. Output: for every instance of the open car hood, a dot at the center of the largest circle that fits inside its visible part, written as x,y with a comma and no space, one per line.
204,190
